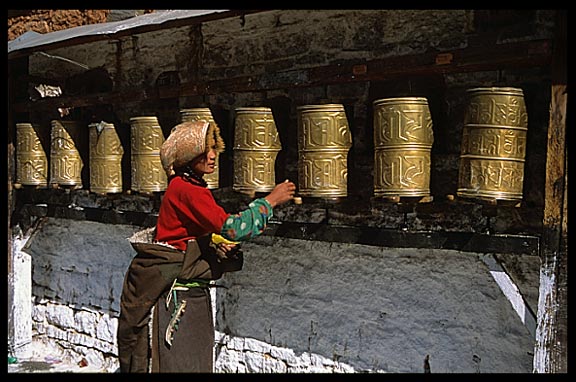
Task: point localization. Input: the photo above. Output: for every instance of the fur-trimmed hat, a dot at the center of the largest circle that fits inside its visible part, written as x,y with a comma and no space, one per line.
187,141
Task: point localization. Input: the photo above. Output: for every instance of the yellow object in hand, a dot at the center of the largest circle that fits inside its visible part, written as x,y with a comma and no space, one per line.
217,239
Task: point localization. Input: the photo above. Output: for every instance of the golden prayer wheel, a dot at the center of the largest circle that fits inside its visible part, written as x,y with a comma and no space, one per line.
105,159
31,159
403,140
493,144
203,114
256,146
146,138
324,140
65,161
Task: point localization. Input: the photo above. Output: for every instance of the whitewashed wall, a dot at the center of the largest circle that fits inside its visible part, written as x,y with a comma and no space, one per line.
298,306
376,308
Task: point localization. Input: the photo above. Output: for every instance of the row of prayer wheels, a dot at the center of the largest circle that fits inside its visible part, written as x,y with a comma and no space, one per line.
491,161
105,150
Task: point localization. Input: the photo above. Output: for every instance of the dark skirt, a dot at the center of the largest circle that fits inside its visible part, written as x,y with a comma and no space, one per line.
192,348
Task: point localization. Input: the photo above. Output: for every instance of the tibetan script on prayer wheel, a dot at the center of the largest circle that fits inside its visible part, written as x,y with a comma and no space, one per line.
493,145
146,138
324,140
203,114
65,161
256,146
105,159
31,159
403,140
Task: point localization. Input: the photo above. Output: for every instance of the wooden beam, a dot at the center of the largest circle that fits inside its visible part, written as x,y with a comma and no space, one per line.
503,56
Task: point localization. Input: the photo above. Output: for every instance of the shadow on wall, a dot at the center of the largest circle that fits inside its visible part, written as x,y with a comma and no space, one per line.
80,262
375,308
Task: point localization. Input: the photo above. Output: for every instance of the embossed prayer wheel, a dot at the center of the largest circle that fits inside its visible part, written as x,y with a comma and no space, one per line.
493,144
203,114
31,159
65,161
403,139
256,146
146,138
105,159
324,140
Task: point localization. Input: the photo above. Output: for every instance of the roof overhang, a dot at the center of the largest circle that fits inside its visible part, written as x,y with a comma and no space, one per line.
31,42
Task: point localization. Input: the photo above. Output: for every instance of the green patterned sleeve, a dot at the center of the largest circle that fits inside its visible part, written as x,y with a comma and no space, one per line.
249,223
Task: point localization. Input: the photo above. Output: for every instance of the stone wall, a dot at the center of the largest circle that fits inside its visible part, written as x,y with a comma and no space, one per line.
296,306
311,303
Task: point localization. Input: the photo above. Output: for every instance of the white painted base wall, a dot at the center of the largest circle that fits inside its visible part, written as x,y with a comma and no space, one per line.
308,306
20,311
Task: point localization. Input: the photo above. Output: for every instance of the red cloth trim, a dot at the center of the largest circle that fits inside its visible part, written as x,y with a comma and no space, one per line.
187,211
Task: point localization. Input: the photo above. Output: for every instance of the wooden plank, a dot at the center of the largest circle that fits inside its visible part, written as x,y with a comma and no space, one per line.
552,343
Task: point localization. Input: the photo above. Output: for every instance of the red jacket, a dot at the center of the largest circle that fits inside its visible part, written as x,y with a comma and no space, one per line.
187,211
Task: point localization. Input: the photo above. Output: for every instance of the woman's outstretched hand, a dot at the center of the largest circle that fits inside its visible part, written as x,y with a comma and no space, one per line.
282,193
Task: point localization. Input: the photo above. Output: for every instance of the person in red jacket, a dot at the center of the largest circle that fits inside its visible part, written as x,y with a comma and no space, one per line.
166,322
188,209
